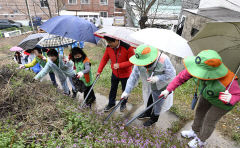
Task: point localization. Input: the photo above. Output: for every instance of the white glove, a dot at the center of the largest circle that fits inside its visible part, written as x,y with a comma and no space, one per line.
164,93
153,79
44,58
22,67
225,97
124,95
79,74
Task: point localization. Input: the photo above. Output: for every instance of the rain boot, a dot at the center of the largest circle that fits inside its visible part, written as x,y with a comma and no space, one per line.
74,94
153,119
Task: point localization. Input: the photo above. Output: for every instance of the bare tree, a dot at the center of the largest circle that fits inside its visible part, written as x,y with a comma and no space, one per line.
49,9
40,7
59,5
143,7
22,11
145,10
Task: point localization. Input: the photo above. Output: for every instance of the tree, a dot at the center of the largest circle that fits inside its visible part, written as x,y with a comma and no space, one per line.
143,7
147,11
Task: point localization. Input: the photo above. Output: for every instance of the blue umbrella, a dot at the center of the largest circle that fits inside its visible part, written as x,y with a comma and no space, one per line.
72,27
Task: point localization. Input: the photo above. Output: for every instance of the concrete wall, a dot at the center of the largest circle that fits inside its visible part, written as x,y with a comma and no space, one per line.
192,21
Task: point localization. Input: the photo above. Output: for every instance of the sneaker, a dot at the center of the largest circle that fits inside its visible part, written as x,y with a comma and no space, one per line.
123,107
55,85
196,142
151,121
74,94
67,94
144,116
108,108
188,134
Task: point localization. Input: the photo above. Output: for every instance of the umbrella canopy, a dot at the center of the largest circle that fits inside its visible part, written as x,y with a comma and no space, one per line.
119,33
71,27
54,41
15,48
31,41
223,37
165,40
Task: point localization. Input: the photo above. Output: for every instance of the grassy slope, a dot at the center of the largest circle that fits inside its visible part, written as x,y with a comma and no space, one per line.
35,114
229,125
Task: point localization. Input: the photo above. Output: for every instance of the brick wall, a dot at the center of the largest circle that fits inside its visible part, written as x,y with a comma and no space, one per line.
94,6
17,10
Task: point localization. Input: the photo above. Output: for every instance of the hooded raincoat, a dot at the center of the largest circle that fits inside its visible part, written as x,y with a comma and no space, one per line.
62,70
164,71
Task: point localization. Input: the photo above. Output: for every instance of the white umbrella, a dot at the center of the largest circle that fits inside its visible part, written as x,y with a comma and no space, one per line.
120,33
165,40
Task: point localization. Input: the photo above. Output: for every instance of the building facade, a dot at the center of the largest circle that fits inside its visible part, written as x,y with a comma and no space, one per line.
106,8
17,9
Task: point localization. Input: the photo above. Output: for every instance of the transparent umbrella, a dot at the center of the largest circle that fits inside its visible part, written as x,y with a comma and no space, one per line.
165,40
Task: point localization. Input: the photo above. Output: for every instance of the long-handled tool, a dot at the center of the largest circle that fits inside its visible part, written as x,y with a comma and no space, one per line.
234,77
90,90
129,122
115,108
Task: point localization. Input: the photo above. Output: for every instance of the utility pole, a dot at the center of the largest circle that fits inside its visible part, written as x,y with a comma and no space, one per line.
29,15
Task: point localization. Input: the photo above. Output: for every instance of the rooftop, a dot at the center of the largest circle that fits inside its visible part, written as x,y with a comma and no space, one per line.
220,14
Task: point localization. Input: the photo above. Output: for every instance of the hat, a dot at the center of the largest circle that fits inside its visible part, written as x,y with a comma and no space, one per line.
144,55
207,65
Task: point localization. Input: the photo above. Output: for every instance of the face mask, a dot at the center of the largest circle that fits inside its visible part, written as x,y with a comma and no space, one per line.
78,59
149,66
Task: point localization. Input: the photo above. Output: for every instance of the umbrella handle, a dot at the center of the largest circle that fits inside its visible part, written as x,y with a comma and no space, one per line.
90,90
156,64
129,122
234,77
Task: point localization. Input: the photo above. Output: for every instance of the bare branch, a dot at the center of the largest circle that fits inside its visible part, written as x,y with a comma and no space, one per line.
20,9
40,8
149,6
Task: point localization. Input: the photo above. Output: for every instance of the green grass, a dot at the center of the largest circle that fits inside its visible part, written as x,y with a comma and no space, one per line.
228,125
36,115
182,98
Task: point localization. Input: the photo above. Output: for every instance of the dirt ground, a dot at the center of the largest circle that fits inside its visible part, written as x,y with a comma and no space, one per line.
165,121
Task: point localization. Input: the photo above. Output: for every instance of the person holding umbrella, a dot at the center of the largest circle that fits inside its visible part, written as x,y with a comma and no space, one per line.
62,68
40,58
158,71
219,92
119,53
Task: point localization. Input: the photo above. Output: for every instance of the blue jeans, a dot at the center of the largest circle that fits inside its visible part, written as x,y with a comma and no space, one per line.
53,79
65,86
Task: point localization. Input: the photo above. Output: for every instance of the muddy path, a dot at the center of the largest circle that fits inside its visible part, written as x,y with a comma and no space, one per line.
165,120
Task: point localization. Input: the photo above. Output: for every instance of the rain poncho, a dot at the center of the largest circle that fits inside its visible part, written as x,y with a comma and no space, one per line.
63,70
167,74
